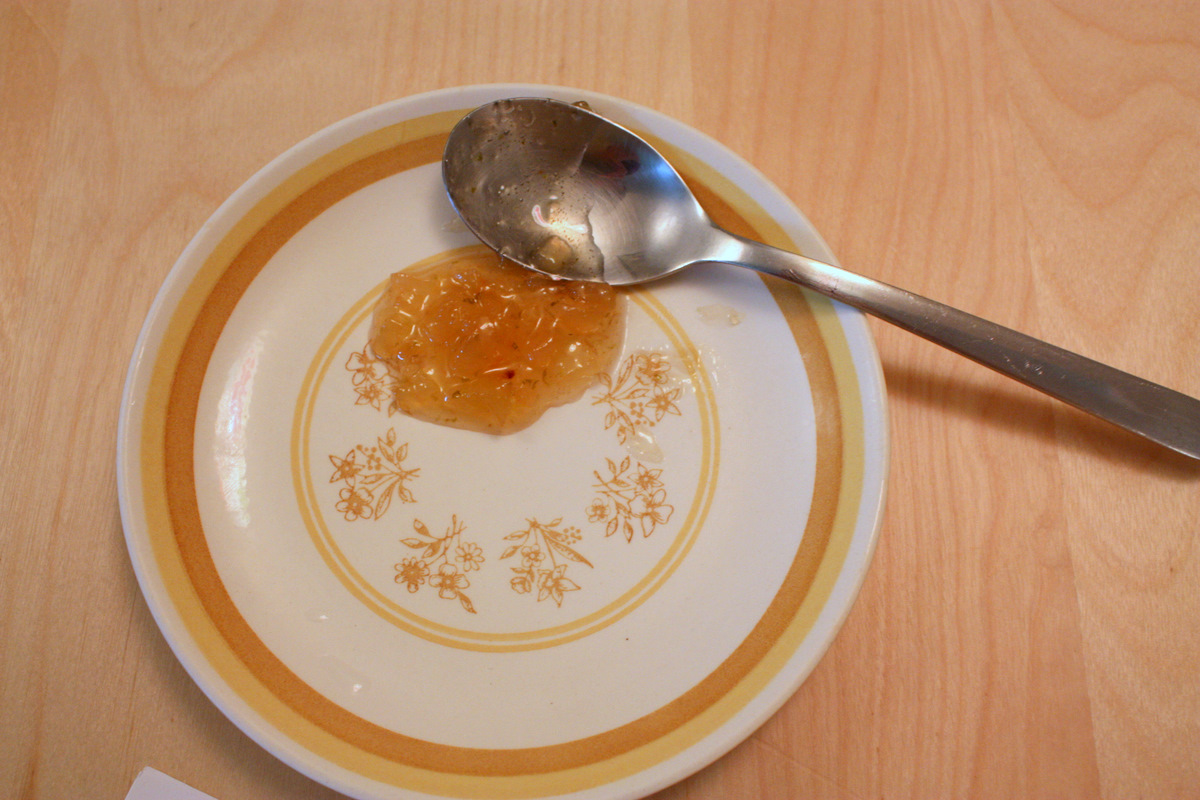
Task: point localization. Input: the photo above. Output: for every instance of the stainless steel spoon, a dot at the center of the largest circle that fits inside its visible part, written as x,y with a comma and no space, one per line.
562,190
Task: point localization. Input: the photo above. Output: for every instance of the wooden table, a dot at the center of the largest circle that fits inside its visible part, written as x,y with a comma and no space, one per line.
1030,626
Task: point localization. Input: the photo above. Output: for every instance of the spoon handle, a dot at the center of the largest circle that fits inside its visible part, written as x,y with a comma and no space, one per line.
1160,414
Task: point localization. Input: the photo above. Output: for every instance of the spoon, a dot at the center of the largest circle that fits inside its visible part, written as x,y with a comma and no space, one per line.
561,190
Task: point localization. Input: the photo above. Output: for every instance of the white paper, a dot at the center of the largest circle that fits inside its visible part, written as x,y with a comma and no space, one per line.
151,784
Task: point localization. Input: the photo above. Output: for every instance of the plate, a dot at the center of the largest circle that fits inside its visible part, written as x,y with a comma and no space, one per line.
596,606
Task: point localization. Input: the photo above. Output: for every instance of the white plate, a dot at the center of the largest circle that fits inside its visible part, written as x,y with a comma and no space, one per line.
403,610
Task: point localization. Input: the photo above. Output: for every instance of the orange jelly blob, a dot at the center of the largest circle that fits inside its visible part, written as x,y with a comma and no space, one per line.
483,344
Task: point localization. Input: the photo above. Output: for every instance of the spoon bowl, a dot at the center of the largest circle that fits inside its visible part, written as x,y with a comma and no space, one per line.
560,189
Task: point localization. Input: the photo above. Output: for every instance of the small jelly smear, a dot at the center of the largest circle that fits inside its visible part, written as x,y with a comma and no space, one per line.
479,343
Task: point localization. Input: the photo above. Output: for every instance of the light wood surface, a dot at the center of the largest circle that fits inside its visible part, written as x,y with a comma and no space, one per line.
1030,626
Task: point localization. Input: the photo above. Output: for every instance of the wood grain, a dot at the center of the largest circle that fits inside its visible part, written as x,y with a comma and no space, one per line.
1028,627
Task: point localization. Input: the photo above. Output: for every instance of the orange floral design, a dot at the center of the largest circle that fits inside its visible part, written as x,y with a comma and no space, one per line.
369,378
450,582
630,499
452,555
641,395
373,477
554,583
546,552
412,572
354,504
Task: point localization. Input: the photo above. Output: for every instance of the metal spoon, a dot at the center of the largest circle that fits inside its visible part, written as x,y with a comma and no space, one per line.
562,190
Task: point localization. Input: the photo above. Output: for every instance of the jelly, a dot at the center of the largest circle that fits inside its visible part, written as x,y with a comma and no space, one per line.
480,343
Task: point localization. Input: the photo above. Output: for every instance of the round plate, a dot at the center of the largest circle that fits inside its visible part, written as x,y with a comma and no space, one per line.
596,606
